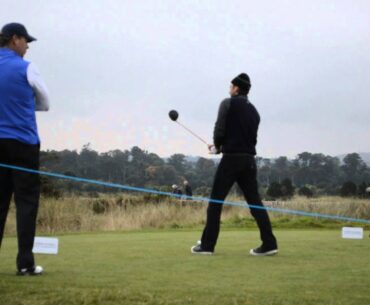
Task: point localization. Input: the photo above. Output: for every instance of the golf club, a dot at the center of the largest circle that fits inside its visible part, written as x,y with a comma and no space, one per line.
173,114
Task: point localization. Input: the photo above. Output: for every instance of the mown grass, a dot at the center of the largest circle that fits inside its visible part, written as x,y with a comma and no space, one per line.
156,267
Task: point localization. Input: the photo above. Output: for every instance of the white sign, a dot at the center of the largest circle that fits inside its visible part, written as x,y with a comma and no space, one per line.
352,233
45,245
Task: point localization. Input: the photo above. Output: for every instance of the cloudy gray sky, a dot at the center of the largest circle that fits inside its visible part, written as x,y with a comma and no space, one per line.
115,68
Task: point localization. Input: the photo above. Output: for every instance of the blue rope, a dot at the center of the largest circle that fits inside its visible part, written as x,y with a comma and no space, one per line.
151,191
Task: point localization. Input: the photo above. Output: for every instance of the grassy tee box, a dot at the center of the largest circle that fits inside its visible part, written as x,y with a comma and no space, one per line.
313,267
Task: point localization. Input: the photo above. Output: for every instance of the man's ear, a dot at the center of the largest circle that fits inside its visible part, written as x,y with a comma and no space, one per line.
13,39
236,89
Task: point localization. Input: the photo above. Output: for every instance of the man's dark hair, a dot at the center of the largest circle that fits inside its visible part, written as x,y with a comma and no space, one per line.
243,91
4,41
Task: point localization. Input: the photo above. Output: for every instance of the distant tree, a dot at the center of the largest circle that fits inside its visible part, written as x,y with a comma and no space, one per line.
162,175
88,161
348,189
205,170
49,157
154,159
264,172
178,162
301,169
280,169
353,167
140,161
315,169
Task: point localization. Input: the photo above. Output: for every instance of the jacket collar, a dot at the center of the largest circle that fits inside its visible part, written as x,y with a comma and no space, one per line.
7,51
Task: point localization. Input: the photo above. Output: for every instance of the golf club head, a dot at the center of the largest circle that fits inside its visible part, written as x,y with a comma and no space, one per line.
173,114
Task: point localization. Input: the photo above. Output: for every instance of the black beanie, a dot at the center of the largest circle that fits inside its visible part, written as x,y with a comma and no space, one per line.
242,81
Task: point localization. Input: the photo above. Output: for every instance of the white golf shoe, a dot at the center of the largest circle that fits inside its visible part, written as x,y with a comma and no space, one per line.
38,270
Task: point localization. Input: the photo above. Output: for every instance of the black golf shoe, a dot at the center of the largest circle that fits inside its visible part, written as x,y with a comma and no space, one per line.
198,250
38,270
264,251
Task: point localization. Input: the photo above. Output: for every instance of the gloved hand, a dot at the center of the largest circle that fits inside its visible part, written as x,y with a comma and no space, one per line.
213,150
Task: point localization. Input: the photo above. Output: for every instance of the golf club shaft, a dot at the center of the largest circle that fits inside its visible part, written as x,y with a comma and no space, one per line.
193,133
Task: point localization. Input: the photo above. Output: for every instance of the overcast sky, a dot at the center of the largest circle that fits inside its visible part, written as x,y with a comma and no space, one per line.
115,68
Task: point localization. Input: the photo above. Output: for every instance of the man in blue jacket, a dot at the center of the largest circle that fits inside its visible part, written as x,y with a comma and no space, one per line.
22,92
235,135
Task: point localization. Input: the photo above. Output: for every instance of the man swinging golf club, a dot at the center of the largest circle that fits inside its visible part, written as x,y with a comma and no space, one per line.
235,135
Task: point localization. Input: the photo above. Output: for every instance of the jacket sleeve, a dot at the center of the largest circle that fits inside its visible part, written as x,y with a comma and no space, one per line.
39,88
220,125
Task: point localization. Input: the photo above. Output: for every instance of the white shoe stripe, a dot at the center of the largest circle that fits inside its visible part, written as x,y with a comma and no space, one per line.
271,252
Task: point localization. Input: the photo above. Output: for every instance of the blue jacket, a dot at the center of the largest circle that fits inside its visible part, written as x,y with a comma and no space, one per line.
17,100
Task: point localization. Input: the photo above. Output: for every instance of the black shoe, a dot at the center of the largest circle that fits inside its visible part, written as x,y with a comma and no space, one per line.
198,250
38,270
263,251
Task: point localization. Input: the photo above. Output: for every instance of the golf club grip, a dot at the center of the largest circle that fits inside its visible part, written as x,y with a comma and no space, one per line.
194,134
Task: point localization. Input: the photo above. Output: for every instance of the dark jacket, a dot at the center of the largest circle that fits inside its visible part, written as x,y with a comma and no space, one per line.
188,190
236,127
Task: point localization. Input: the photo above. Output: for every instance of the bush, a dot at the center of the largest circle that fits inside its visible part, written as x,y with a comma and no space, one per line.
348,189
362,190
49,188
305,191
100,206
275,190
93,194
287,188
153,198
203,191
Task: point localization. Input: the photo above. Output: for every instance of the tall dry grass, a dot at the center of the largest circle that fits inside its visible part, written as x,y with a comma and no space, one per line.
129,212
333,205
110,213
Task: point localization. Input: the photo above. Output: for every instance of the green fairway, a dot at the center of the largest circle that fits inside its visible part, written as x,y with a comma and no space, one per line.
313,267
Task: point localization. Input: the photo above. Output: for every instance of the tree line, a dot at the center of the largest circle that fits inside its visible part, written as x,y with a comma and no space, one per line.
308,172
315,173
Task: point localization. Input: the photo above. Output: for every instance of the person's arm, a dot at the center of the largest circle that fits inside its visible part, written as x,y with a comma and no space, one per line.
220,125
39,88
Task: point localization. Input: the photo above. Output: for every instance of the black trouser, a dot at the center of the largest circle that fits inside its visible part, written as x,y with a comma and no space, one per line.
242,170
26,190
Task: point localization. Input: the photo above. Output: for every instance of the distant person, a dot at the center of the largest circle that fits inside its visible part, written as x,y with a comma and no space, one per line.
235,135
187,189
22,92
176,190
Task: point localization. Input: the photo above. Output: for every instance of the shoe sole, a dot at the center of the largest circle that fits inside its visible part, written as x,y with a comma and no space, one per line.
201,253
28,274
268,253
